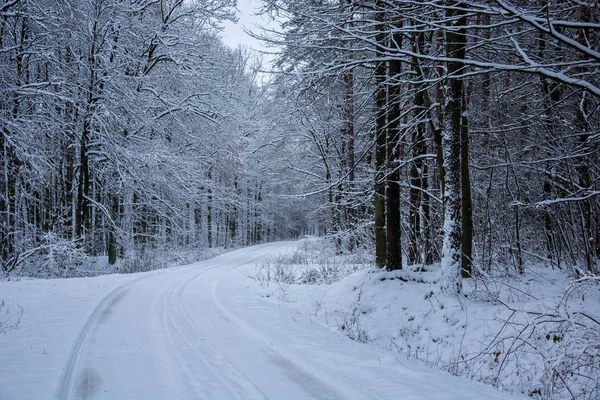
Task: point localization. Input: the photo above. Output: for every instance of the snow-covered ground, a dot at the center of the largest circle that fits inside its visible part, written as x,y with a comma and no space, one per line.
209,330
537,334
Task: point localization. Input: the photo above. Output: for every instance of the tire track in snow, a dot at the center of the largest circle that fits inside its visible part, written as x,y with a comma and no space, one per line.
316,381
67,383
176,319
67,380
99,315
175,316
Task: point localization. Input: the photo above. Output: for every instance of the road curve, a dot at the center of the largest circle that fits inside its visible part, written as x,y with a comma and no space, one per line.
173,335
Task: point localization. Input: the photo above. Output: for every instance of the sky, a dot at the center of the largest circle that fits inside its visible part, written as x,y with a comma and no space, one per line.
234,35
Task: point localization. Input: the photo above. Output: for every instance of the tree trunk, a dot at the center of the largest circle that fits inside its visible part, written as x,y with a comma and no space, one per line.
83,182
452,146
466,263
419,206
209,211
380,144
393,222
112,234
348,79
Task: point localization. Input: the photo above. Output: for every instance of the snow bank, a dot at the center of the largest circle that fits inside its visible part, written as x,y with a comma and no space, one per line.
536,334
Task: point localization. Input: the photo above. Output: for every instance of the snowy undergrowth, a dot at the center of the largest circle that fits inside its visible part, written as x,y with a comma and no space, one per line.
64,259
159,258
537,334
10,316
313,263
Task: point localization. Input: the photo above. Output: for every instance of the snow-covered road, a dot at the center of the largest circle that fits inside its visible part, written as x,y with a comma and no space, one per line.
176,336
201,332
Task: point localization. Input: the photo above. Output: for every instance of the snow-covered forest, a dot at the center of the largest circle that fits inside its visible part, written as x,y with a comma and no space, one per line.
458,131
127,126
455,139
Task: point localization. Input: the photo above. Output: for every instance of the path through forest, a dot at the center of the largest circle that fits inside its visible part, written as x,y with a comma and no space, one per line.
200,332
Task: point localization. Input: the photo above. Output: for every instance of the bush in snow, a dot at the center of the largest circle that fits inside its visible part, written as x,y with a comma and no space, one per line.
56,257
350,324
10,316
549,351
307,266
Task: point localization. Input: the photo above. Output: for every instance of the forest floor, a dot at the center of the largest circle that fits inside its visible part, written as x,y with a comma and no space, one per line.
269,321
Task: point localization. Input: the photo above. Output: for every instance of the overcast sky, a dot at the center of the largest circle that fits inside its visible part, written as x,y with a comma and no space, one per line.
234,34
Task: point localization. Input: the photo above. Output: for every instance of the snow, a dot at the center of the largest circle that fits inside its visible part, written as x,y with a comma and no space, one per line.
34,354
518,333
211,330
